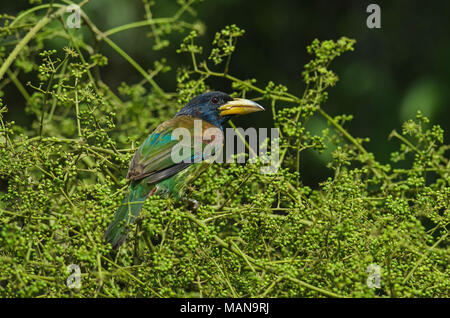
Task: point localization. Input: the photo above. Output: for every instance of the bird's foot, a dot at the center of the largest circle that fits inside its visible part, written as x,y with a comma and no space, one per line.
192,204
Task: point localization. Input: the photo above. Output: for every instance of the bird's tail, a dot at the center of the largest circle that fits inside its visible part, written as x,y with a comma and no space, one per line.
126,214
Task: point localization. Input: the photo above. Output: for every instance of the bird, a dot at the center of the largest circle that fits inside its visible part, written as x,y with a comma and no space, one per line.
155,170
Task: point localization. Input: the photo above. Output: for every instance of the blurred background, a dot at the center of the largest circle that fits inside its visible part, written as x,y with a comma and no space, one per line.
393,72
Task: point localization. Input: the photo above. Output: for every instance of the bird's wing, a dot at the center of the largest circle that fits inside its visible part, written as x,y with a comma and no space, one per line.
154,159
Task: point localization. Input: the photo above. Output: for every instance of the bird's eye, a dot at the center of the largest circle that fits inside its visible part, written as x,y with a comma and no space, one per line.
215,100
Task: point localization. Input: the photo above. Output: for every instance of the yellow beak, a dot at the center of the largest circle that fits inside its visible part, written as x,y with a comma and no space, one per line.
239,106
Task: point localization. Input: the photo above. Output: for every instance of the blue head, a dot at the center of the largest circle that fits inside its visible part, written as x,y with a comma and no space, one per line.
217,107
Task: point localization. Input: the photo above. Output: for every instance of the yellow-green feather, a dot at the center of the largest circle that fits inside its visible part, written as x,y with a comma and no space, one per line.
152,166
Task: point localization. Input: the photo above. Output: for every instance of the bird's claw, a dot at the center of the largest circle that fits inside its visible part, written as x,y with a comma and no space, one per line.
192,204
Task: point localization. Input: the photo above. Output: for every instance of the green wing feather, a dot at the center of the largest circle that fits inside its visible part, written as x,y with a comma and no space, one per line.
153,166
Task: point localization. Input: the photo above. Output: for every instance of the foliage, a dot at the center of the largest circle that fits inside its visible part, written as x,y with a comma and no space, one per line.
254,235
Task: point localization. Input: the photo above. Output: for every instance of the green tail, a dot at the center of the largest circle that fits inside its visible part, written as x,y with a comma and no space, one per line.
126,214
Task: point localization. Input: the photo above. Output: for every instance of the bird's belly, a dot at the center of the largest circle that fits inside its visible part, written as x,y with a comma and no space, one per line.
177,184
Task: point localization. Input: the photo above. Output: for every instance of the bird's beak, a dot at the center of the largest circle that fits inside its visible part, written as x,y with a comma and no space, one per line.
239,106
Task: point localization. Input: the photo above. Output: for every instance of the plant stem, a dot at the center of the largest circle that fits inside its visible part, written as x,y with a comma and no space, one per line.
19,47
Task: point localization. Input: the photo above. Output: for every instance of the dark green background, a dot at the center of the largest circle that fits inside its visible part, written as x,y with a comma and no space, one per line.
393,72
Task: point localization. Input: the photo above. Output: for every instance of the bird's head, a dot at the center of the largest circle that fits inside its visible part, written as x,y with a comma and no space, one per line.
217,107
